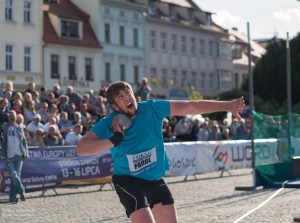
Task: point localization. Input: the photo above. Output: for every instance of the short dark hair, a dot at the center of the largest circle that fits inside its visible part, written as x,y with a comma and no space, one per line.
114,89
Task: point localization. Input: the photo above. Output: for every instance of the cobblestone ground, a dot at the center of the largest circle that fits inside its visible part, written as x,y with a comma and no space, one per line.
208,198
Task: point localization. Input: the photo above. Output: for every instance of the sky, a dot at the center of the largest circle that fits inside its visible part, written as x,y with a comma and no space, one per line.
266,18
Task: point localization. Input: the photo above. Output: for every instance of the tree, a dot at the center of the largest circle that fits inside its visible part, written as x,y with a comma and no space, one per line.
269,76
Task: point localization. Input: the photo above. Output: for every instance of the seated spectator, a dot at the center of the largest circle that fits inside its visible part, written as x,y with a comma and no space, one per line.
3,105
20,122
34,125
71,112
36,99
43,112
52,122
38,139
73,137
65,126
100,108
63,103
17,106
53,138
29,111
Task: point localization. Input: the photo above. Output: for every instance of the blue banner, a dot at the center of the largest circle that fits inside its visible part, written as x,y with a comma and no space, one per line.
53,167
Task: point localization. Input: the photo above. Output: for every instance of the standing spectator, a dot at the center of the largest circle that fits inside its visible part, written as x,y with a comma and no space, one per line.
43,94
167,131
242,131
34,125
181,129
56,91
233,128
1,91
74,97
30,87
73,137
9,87
215,134
36,99
53,138
204,131
29,111
194,129
144,90
16,151
71,112
38,139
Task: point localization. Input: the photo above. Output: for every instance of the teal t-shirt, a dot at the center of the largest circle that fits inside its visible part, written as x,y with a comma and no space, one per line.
141,153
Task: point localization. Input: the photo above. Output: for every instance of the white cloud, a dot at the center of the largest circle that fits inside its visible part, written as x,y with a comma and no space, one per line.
288,14
225,18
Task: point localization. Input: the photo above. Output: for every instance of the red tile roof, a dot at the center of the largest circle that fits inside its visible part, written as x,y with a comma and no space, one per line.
65,9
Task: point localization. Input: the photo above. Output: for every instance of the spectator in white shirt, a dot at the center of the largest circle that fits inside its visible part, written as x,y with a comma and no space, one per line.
73,137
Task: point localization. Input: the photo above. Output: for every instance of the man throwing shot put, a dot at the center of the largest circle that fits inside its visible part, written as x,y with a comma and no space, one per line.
138,152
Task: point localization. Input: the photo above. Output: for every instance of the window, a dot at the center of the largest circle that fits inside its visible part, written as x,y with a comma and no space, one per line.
163,41
135,16
172,12
54,67
225,80
174,43
107,11
193,46
88,69
107,72
51,1
183,77
202,47
151,8
69,29
136,74
202,80
211,81
9,10
122,35
164,76
174,77
8,57
122,14
183,44
107,32
122,72
135,37
193,79
224,51
27,59
210,48
72,70
152,39
27,12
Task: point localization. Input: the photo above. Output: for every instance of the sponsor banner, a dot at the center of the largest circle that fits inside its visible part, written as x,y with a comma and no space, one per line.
59,166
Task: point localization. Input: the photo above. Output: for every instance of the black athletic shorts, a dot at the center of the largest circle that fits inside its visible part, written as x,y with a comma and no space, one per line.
136,193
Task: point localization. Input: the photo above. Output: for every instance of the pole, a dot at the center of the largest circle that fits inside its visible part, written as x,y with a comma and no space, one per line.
289,95
251,98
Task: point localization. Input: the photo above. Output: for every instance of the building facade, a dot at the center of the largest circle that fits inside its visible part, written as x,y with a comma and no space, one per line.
21,46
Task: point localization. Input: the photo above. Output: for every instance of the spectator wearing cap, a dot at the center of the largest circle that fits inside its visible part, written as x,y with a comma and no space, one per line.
73,137
34,125
38,139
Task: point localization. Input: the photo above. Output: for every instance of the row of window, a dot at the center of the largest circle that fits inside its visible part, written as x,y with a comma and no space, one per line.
123,73
72,68
27,10
222,79
9,62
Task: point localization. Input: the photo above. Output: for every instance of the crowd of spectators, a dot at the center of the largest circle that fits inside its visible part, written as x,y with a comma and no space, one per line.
51,117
